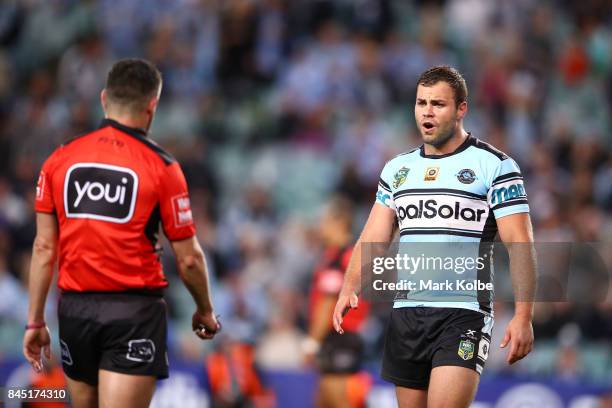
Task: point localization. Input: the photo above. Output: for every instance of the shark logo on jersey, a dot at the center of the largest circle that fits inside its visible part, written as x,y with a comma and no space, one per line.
466,176
400,177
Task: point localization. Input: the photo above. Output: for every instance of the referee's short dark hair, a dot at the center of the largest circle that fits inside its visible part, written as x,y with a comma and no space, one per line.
131,83
444,73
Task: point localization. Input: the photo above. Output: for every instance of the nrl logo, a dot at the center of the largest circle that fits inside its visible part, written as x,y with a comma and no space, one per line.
466,349
400,177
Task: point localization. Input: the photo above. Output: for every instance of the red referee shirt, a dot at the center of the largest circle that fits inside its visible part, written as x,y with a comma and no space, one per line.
110,189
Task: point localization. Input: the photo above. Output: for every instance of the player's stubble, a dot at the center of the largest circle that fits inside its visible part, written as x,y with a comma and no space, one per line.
443,133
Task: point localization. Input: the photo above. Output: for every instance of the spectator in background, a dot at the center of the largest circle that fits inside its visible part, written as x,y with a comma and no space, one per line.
14,307
233,378
338,358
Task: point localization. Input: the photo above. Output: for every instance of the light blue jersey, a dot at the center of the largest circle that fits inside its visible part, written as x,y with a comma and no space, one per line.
452,198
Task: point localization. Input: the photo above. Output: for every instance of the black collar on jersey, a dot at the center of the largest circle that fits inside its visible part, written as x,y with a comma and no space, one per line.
469,140
136,132
140,135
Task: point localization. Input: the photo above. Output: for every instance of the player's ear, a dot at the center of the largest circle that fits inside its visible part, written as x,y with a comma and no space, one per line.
462,110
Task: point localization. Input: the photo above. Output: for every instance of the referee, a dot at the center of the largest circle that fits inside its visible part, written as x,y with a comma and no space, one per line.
100,200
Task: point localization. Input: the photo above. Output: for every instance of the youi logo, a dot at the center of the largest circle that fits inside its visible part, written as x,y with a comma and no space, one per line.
101,192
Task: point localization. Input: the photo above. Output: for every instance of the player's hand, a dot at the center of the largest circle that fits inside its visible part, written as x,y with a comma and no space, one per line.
519,334
37,342
344,304
205,324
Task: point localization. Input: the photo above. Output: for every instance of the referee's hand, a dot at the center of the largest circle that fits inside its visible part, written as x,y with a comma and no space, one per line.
344,304
37,342
205,325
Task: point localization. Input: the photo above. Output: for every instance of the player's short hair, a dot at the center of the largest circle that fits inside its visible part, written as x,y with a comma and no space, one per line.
445,73
132,83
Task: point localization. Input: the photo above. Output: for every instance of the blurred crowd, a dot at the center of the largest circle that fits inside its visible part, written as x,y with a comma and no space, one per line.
273,106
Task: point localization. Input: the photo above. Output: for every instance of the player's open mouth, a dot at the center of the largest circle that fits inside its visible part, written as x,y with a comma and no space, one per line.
428,126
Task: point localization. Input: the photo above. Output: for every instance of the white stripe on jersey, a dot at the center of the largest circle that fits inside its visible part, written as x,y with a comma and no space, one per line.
441,211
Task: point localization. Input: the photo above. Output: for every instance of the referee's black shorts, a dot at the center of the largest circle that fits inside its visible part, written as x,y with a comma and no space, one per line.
421,338
124,332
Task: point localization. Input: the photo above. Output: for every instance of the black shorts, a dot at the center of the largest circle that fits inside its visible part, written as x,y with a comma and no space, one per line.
421,338
120,332
340,353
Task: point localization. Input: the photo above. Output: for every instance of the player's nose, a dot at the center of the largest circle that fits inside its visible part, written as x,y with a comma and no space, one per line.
428,111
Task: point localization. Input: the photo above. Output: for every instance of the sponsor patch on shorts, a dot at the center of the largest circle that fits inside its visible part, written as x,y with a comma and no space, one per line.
66,357
141,350
483,348
466,349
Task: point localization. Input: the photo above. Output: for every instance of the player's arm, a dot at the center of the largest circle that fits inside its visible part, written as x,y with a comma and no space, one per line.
516,232
193,271
44,250
379,228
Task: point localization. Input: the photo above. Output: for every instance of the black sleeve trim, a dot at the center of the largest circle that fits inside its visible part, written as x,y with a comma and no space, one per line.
507,176
511,202
385,185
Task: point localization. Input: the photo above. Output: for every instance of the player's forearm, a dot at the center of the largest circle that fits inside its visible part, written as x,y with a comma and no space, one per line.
193,272
523,271
352,277
379,229
41,273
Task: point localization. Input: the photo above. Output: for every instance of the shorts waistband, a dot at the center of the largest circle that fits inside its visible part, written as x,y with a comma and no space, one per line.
159,292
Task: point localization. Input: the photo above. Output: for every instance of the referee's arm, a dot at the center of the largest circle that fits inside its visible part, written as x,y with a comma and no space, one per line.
516,232
192,269
379,228
44,251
